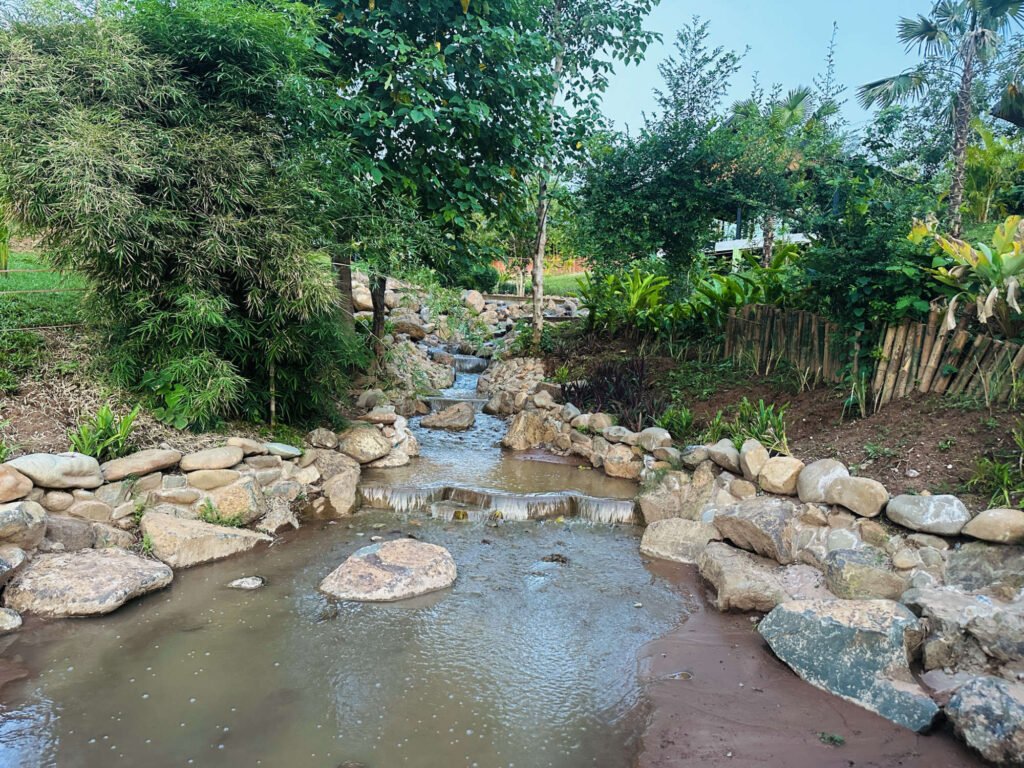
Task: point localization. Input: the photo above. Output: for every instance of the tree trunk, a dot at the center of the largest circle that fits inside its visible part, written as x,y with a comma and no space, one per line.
961,137
769,239
378,287
537,277
343,281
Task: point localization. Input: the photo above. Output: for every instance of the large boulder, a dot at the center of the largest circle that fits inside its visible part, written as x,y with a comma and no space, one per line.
242,500
622,462
861,495
22,523
62,470
140,463
341,489
13,484
183,543
528,430
944,515
753,457
863,574
682,541
816,478
988,713
213,458
746,582
364,443
457,418
993,568
1001,526
678,494
764,525
473,301
855,649
653,438
725,455
393,570
85,583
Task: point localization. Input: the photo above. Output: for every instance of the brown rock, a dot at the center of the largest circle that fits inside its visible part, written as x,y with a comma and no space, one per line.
13,484
780,475
213,458
394,570
139,464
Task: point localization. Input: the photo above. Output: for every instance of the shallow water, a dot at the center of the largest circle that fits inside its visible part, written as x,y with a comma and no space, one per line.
522,663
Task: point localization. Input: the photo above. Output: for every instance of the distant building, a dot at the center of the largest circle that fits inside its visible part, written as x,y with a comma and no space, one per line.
755,244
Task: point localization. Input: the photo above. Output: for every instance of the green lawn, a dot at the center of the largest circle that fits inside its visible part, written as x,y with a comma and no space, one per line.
31,310
554,285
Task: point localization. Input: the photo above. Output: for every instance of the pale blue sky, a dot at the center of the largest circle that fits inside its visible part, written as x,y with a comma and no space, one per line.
788,41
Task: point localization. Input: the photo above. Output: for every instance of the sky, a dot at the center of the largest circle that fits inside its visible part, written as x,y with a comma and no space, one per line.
788,41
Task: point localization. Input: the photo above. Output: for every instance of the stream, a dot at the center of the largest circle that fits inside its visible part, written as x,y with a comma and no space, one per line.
529,661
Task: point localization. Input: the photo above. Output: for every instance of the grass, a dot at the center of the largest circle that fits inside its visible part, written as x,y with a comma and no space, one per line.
38,309
554,285
208,513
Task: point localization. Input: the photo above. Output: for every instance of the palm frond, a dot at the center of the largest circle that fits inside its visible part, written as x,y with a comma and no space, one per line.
898,89
927,35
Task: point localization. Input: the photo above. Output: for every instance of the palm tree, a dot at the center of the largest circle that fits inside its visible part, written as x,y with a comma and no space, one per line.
964,36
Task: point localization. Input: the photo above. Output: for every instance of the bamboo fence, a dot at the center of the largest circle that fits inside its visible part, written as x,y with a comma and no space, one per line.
911,357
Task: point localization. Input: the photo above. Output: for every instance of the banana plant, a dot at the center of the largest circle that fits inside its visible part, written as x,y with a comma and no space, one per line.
987,274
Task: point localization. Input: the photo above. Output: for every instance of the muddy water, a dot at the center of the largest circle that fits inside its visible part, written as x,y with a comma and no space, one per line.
522,663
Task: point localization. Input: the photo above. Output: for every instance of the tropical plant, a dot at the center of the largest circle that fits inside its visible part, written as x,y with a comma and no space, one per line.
623,387
761,422
678,420
105,435
992,167
965,35
989,275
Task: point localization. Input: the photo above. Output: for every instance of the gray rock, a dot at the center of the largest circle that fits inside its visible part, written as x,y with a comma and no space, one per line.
71,533
617,434
817,477
140,464
85,583
763,525
248,583
988,713
682,541
945,515
390,571
382,414
855,649
9,621
12,559
742,581
62,470
993,568
653,438
694,456
322,438
22,523
862,574
725,455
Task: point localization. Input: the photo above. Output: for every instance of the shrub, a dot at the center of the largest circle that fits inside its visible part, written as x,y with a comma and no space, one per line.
678,420
621,387
104,436
761,422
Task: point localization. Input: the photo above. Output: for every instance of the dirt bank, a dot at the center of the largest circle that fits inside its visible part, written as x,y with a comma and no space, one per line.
718,697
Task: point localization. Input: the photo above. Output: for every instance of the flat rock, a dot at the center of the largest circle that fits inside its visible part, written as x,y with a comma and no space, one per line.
364,443
1000,526
283,450
682,541
617,434
945,515
249,446
62,470
22,523
763,525
183,543
742,581
209,479
248,583
139,464
457,418
855,649
86,583
988,713
816,478
861,495
396,458
393,570
224,457
13,484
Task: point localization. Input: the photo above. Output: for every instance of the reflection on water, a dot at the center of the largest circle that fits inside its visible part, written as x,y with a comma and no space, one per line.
523,662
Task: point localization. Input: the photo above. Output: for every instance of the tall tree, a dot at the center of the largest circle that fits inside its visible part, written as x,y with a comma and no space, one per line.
586,38
962,35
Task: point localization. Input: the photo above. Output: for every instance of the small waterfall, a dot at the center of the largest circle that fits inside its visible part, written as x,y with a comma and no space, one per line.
470,364
450,502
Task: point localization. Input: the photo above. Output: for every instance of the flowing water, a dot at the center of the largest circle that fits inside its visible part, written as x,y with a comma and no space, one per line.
530,660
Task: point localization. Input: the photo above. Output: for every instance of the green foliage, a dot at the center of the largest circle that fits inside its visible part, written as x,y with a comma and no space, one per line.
989,275
716,429
1001,481
876,451
59,305
209,513
761,422
631,302
20,353
146,547
992,167
678,420
104,436
189,191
